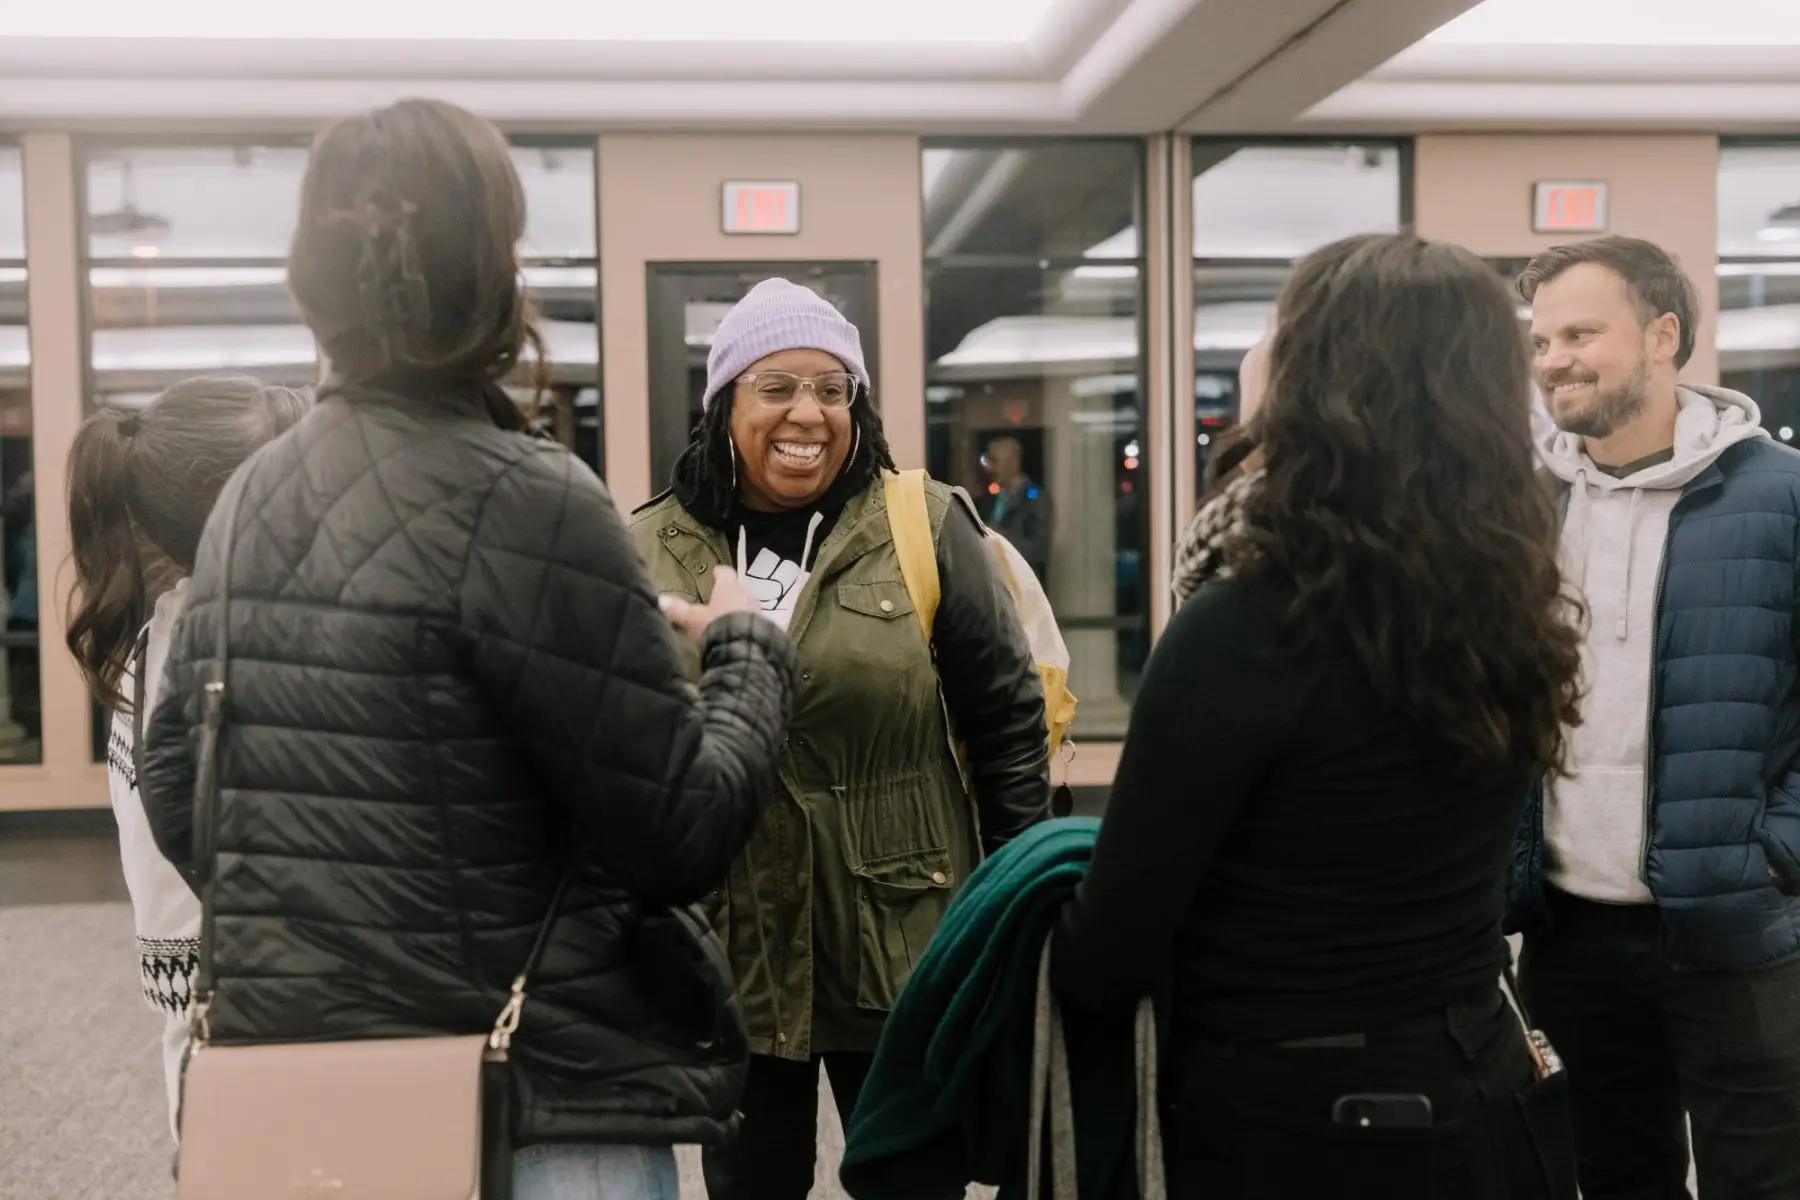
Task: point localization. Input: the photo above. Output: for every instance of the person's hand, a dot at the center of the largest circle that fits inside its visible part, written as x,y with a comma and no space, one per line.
728,596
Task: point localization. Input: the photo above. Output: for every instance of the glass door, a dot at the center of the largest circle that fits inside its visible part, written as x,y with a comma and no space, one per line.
687,302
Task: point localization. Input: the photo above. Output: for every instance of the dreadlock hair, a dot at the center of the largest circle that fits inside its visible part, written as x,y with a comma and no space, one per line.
715,472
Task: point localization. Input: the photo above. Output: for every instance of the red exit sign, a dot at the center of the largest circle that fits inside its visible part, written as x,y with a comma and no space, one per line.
762,208
1561,206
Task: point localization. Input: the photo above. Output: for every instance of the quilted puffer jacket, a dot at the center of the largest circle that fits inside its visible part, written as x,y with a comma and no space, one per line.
449,681
1723,855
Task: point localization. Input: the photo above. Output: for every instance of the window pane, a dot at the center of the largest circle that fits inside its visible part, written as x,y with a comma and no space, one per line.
153,326
21,718
1258,210
1285,201
1046,366
559,252
12,203
193,201
1759,201
1759,339
1055,200
1758,334
559,201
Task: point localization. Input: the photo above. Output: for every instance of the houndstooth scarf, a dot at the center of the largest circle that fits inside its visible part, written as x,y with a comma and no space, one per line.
1200,555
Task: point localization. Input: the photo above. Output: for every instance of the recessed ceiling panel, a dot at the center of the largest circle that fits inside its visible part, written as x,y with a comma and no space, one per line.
713,21
1625,23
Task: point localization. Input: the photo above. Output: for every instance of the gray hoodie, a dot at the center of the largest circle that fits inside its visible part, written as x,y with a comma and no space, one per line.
1596,822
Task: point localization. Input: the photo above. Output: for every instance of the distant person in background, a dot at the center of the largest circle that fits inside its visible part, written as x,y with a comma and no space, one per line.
141,485
1020,510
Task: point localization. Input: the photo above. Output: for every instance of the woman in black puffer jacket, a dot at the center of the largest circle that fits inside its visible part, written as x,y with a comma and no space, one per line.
451,682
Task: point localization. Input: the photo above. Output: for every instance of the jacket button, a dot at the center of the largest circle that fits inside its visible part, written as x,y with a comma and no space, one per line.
671,531
806,677
781,1039
939,877
887,606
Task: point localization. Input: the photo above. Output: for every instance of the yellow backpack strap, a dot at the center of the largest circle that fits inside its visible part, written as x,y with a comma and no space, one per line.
910,521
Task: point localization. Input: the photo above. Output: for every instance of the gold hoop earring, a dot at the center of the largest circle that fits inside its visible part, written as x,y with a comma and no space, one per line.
731,452
855,448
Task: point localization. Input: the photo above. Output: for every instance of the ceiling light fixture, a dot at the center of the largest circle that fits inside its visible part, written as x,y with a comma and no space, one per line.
1783,226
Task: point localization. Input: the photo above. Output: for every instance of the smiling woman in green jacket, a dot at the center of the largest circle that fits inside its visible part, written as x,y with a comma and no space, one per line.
874,822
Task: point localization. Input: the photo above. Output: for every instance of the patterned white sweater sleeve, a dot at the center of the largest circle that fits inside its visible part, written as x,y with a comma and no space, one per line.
165,911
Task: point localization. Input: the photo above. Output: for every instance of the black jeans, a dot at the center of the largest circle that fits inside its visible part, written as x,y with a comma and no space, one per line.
1256,1122
1644,1041
776,1153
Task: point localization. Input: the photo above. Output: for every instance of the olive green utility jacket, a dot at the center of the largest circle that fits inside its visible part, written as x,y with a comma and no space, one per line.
872,826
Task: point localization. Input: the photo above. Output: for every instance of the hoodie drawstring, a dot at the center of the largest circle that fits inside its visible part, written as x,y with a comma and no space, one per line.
812,531
1622,625
1576,540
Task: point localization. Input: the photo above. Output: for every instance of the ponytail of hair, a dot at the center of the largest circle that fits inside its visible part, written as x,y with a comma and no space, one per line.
110,602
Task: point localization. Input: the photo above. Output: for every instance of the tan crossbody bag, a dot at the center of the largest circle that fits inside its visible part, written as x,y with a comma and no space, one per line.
425,1118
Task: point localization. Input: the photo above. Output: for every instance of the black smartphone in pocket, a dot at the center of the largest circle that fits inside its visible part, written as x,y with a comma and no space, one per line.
1382,1110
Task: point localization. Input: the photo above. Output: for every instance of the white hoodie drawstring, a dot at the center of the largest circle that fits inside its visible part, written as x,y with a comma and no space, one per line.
1622,624
812,528
1576,538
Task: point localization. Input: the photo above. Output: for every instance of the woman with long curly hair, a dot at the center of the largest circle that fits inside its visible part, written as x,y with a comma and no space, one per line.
1309,835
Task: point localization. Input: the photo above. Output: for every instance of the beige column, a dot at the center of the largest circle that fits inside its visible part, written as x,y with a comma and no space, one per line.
68,777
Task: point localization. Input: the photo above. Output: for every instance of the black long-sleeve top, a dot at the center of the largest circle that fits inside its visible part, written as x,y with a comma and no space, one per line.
1305,861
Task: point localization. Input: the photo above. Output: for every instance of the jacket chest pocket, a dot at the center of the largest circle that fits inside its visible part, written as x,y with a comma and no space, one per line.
899,902
883,600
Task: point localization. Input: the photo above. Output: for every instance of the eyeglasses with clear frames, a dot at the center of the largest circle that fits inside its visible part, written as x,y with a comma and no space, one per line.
779,389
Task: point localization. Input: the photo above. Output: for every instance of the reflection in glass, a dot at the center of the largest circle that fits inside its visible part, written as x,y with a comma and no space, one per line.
563,280
21,713
1037,201
193,202
1258,210
1034,375
187,250
12,204
1758,334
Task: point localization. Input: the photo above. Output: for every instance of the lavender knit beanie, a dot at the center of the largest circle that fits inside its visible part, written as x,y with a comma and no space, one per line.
776,316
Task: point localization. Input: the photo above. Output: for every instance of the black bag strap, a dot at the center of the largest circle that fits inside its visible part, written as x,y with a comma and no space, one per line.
208,786
139,718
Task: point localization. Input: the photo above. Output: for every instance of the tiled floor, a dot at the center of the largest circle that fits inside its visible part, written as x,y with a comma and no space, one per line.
82,1113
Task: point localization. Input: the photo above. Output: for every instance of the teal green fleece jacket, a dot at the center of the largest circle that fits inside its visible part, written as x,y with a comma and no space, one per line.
947,1099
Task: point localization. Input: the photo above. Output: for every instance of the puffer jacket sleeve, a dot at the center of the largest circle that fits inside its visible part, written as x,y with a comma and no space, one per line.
167,787
666,779
991,684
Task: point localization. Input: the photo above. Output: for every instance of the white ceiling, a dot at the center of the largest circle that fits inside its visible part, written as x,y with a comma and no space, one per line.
1001,66
790,21
1638,64
1623,23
